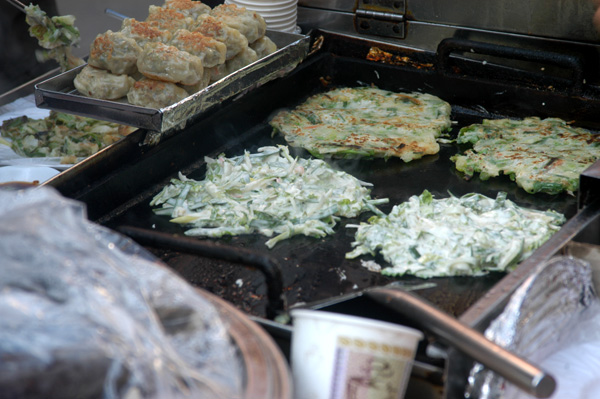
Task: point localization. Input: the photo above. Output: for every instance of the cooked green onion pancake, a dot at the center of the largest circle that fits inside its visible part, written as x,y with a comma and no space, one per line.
540,155
366,122
268,192
60,135
470,235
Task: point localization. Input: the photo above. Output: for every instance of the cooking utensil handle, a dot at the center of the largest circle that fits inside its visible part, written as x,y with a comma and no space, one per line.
567,61
514,369
267,265
115,14
17,4
21,7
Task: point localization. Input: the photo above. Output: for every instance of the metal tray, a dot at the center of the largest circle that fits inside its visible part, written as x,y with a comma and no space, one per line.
118,189
314,273
59,94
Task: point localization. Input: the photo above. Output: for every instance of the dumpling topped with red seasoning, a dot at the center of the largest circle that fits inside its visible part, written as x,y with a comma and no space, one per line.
219,30
211,51
143,32
163,62
115,52
246,57
264,46
155,94
168,19
190,8
100,83
248,22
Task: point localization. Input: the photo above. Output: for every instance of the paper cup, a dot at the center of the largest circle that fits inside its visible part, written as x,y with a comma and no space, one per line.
336,356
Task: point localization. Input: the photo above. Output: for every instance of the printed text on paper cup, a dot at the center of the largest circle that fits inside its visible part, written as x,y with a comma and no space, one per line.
369,370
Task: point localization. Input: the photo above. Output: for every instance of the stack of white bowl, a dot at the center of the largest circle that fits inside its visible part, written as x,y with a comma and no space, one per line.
280,15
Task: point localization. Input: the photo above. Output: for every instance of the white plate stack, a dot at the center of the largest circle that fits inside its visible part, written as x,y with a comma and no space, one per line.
280,15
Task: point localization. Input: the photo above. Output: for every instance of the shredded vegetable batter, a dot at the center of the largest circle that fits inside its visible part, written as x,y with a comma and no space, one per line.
268,192
470,235
56,35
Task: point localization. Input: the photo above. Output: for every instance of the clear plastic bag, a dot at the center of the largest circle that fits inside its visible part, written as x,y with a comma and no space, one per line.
539,318
86,313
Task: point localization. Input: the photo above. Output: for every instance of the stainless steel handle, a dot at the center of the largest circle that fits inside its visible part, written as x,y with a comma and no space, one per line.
518,371
17,4
571,62
115,14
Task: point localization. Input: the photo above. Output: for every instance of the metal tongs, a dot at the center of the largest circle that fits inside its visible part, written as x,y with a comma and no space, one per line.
17,4
21,7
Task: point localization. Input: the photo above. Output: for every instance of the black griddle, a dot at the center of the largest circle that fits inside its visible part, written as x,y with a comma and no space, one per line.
117,184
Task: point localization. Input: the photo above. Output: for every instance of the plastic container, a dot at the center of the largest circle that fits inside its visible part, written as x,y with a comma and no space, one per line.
28,174
337,356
